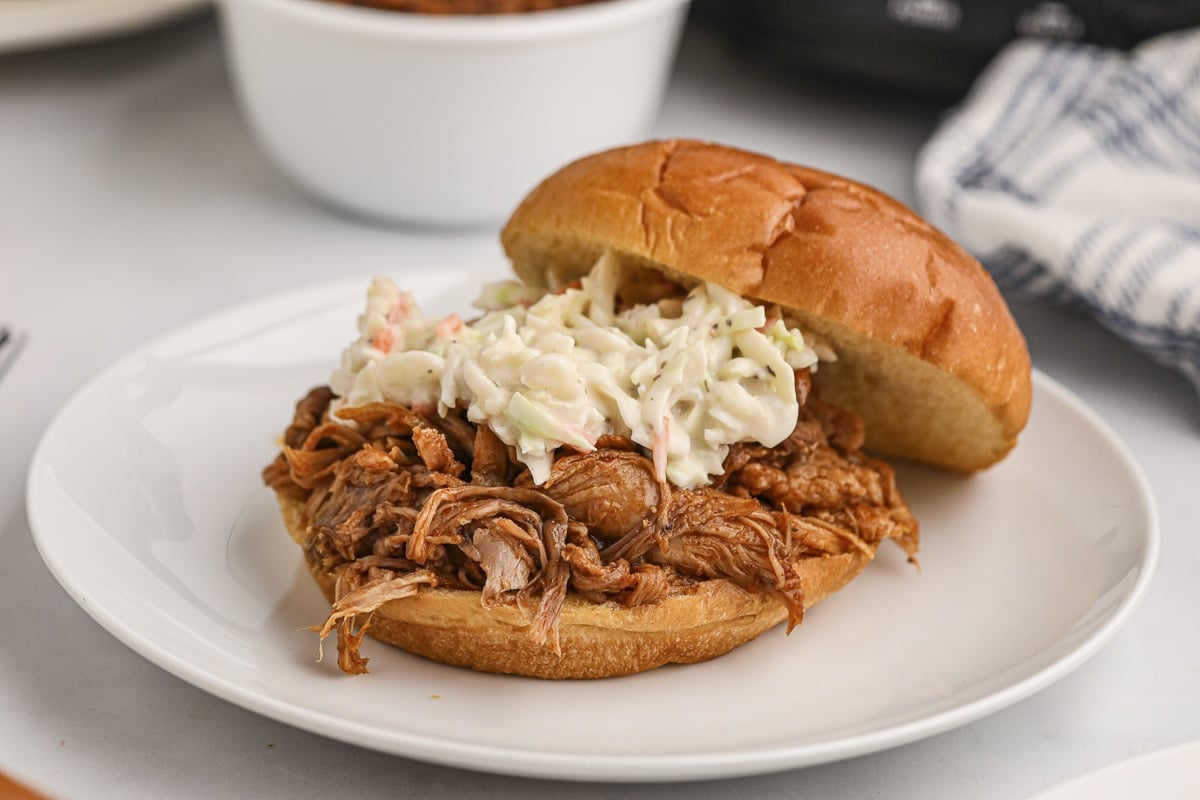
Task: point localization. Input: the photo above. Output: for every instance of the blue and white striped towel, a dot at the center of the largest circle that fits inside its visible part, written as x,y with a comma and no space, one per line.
1073,173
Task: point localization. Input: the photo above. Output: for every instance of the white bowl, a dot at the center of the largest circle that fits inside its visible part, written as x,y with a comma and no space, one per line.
444,120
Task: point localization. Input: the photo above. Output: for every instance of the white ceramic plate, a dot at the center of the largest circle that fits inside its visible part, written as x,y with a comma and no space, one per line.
26,24
145,501
1170,774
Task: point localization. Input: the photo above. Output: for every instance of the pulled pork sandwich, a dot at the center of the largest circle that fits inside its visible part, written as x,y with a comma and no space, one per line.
649,450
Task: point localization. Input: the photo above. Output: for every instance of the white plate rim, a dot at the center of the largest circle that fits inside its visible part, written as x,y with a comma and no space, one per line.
1111,780
30,24
572,766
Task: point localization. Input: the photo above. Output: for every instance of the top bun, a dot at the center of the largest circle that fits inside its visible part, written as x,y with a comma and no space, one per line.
928,352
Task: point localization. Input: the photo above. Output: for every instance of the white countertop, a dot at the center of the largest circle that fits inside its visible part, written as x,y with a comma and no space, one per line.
133,199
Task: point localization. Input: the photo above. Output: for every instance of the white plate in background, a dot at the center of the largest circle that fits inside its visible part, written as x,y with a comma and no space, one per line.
145,501
1169,774
28,24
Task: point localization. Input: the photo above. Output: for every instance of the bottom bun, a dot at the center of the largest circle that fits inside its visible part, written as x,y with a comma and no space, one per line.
597,640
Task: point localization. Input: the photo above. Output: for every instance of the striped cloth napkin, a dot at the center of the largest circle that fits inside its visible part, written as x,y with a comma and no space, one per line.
1073,173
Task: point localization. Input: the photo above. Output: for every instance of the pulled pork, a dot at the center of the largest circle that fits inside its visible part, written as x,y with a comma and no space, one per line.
398,501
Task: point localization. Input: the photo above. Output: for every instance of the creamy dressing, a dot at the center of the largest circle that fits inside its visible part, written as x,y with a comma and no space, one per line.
684,377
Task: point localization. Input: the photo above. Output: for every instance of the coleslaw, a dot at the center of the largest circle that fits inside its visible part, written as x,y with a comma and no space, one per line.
685,377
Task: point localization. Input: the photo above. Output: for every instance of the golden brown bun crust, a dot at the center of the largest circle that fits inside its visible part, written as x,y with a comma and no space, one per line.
928,351
597,640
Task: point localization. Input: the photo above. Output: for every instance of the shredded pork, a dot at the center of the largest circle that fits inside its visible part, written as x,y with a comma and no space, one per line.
398,501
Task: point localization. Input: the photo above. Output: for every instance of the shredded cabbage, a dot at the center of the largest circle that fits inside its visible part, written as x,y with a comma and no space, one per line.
683,379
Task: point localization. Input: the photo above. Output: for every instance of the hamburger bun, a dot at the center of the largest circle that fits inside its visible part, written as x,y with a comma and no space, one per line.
928,352
596,640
